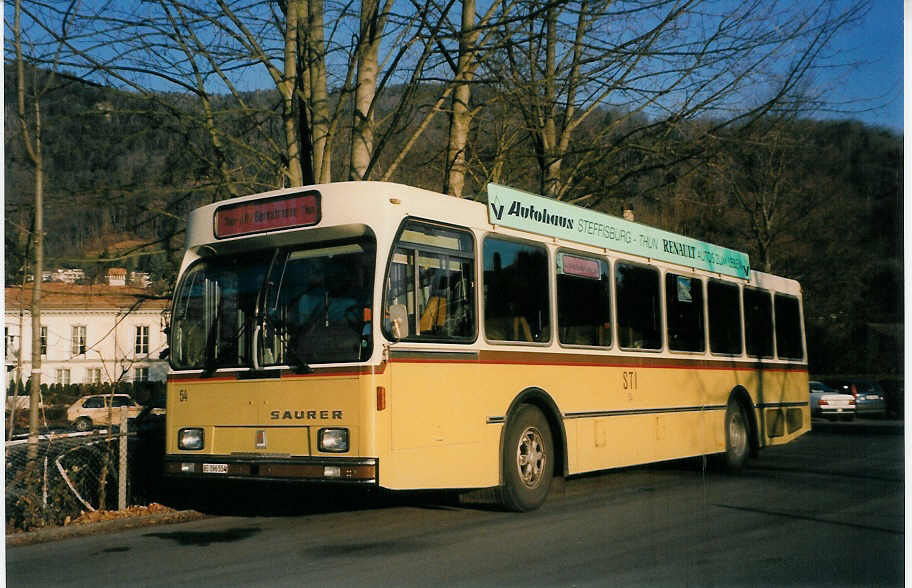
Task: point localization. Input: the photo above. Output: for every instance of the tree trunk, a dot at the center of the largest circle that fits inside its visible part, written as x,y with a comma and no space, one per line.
461,117
33,148
365,89
294,173
319,97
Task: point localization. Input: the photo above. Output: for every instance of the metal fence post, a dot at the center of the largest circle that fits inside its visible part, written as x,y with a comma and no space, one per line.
122,471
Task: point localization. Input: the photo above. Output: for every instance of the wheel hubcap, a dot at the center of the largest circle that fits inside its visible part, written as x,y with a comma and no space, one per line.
530,457
737,433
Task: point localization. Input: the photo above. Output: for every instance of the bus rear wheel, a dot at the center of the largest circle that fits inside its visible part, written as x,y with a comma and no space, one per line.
528,461
737,436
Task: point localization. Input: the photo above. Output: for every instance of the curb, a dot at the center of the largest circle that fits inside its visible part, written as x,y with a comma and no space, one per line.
870,427
58,533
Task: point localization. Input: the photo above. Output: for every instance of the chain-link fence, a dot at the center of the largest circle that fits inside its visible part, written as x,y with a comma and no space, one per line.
63,475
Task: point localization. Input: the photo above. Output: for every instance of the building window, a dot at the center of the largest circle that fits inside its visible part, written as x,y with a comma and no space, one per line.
78,339
93,376
62,376
142,340
44,340
141,374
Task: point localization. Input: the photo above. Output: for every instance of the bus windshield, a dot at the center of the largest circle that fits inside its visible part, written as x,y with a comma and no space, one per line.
289,306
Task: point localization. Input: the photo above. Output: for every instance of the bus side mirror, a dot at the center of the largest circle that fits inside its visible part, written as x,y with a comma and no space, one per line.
398,317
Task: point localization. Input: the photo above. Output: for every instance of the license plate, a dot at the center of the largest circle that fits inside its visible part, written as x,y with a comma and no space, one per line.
215,468
838,410
873,397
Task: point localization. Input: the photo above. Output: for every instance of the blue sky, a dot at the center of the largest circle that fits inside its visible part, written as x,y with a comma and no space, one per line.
872,89
863,80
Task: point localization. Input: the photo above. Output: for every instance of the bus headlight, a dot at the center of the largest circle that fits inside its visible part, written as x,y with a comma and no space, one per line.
190,439
333,440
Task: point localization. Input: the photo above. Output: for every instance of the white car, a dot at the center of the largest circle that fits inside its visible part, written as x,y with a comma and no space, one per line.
91,411
829,403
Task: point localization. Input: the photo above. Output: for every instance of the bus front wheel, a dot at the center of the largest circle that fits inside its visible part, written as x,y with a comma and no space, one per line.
737,436
528,460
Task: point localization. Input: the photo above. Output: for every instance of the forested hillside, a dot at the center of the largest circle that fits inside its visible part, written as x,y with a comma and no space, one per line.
817,201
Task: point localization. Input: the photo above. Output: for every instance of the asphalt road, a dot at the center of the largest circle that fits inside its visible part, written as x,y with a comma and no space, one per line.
826,510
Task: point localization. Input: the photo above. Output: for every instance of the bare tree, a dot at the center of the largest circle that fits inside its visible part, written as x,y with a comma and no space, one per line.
760,170
315,96
30,130
461,117
633,71
600,88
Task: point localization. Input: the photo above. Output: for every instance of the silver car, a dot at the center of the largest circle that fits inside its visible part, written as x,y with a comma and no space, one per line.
829,403
869,396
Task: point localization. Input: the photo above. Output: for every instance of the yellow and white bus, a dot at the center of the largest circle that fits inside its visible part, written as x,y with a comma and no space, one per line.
379,334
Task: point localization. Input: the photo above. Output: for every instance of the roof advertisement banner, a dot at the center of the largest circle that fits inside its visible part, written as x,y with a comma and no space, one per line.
516,209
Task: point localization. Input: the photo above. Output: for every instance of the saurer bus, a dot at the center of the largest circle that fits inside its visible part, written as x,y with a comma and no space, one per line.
377,334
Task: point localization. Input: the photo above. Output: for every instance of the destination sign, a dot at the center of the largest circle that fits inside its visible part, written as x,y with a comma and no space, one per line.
257,216
516,209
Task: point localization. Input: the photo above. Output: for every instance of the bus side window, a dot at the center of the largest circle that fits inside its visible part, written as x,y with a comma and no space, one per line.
788,327
758,322
400,295
638,306
583,300
724,318
516,291
430,293
684,313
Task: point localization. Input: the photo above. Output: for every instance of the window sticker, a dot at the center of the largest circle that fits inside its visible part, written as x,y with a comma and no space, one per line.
684,286
581,267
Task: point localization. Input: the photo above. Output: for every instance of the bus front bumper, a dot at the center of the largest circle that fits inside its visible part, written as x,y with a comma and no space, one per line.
303,469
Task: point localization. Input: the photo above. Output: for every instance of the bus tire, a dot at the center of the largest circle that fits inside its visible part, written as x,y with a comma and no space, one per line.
528,460
737,436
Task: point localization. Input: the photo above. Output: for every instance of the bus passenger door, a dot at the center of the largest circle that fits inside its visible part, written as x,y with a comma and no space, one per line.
430,314
432,396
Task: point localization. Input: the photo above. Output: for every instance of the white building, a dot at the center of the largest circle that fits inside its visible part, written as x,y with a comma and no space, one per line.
88,334
117,276
68,275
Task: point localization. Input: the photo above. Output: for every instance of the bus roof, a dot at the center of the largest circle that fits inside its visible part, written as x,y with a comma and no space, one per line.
507,207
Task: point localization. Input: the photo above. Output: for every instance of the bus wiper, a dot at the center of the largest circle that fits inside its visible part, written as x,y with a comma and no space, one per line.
210,364
280,327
